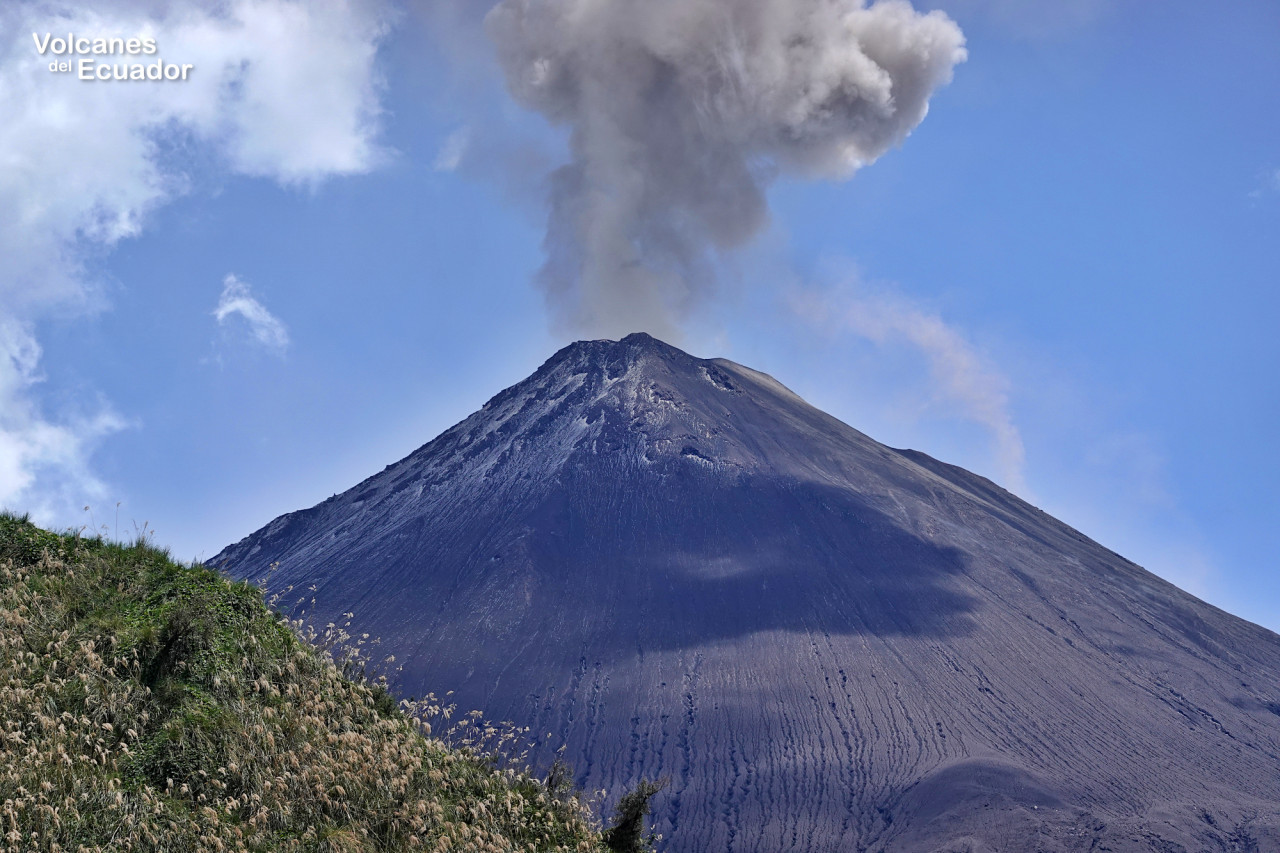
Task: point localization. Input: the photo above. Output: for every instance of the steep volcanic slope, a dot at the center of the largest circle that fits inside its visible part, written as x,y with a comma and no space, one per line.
680,568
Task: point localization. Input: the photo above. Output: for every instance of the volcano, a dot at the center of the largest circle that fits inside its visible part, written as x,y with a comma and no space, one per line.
677,567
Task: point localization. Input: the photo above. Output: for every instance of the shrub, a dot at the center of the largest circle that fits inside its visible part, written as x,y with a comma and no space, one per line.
627,833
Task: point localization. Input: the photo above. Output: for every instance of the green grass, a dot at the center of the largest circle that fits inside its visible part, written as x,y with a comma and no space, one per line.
154,706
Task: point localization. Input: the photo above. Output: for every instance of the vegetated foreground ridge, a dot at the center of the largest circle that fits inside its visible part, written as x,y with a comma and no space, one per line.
154,707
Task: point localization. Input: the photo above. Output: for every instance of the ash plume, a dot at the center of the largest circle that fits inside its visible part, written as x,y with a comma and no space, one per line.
681,112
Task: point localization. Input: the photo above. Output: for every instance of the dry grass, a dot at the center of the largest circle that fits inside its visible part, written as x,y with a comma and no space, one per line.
150,706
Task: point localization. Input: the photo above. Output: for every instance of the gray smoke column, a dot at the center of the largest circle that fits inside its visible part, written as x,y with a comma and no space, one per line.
682,111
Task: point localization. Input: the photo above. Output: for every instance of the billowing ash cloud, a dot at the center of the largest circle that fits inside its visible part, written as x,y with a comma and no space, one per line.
682,111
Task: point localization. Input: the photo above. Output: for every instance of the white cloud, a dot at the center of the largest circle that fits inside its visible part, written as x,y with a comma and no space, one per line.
963,380
282,89
237,300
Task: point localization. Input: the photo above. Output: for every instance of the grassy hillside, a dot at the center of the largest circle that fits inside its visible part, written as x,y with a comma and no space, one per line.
150,706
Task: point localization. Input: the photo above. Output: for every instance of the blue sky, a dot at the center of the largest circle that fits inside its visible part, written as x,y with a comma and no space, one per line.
1063,279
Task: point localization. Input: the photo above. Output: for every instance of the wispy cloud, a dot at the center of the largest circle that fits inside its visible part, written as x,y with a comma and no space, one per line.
963,380
283,90
44,462
450,155
1270,183
1115,484
238,301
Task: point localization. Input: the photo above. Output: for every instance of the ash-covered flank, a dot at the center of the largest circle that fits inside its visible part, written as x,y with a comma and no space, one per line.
679,568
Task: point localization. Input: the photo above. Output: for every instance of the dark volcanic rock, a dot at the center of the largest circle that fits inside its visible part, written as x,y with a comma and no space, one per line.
680,568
